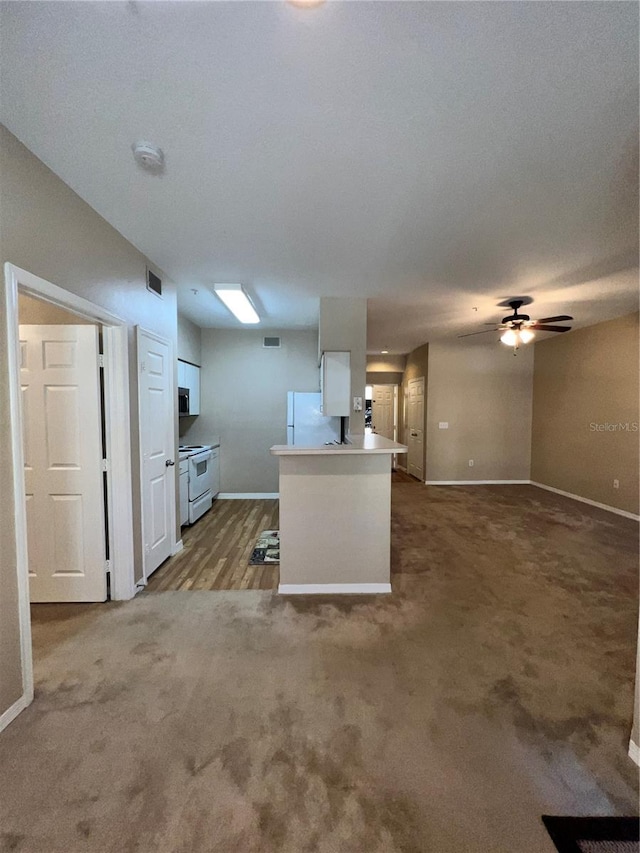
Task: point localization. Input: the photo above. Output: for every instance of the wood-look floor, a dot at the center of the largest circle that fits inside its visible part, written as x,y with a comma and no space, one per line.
217,549
218,546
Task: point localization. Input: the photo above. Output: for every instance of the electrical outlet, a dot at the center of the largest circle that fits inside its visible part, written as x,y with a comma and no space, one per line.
471,463
443,425
357,404
616,484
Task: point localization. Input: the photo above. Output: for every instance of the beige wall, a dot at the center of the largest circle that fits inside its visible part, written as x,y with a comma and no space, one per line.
484,393
189,341
417,363
343,327
385,369
386,363
583,380
47,229
244,399
384,378
37,312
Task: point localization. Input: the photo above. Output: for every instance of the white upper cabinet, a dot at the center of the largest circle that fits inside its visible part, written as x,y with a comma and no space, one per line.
189,377
335,383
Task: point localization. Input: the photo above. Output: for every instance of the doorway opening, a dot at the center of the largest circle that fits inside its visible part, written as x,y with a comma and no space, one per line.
116,433
65,453
381,412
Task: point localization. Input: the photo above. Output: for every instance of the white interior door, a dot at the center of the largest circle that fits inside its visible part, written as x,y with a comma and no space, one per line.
382,404
59,374
157,446
415,430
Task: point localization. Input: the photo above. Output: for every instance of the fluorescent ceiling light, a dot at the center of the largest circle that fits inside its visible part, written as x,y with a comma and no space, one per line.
237,302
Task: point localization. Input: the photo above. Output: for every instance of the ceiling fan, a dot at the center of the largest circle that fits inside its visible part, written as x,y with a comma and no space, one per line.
520,328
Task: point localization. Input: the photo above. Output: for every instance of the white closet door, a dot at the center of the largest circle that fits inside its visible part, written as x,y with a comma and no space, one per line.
157,448
61,412
415,436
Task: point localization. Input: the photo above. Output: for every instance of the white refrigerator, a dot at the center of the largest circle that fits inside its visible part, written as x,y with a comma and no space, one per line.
306,425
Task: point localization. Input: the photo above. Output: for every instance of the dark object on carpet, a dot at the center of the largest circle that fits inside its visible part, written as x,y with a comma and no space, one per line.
594,834
267,550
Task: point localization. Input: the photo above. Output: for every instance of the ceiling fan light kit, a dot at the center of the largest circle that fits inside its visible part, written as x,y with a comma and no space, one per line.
510,338
520,328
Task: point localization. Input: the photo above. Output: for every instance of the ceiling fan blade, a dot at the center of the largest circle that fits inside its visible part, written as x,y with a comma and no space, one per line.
554,319
543,328
483,332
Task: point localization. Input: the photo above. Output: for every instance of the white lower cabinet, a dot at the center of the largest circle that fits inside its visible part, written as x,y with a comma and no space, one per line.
184,491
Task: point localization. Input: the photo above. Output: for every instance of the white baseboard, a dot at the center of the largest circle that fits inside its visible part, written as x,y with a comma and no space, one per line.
333,588
11,713
255,496
634,752
606,507
177,548
477,482
401,468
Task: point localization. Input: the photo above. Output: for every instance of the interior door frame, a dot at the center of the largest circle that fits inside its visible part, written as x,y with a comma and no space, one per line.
117,425
175,546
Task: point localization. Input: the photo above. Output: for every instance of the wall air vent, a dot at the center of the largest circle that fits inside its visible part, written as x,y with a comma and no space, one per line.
154,283
271,343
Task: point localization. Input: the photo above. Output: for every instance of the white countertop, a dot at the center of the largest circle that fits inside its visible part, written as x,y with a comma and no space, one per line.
359,444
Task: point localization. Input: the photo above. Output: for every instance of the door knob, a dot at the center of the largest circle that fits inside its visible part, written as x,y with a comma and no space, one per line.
169,463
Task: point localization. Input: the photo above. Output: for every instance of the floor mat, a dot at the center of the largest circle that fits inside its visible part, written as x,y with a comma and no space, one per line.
593,834
267,549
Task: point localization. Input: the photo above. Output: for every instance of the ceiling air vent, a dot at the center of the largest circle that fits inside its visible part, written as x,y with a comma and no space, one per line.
154,283
271,343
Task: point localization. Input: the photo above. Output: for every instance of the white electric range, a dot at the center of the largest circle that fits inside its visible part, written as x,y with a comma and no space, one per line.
199,479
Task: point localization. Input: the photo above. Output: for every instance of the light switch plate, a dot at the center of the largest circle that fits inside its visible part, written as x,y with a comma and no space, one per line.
357,404
443,425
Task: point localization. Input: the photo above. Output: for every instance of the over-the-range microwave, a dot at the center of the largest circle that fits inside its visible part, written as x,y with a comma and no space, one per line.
183,402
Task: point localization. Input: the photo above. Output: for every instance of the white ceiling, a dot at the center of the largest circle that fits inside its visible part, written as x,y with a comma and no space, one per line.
432,157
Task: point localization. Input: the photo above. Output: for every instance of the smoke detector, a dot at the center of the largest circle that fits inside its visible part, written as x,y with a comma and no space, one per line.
148,157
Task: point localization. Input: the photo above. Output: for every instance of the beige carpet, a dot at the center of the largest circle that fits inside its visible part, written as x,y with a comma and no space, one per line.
493,685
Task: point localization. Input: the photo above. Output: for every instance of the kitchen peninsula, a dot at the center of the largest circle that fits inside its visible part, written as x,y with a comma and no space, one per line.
335,516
